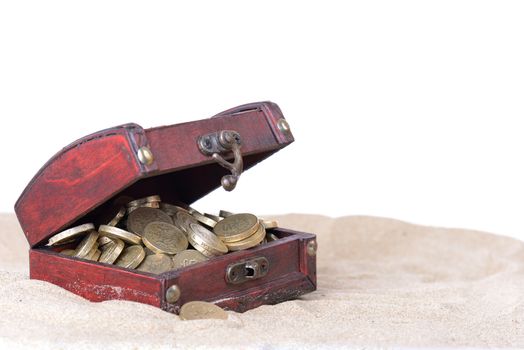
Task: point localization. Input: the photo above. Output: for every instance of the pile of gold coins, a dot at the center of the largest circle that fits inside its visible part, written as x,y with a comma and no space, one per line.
152,236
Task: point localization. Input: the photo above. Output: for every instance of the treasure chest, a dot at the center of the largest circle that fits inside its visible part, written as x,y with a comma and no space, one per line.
83,185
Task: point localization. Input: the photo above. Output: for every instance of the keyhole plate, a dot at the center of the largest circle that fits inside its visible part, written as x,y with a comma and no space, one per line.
247,270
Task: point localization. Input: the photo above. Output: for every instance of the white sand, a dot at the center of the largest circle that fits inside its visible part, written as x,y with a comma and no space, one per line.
381,283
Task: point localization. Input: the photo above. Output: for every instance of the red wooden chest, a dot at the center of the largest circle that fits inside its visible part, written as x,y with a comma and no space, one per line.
176,162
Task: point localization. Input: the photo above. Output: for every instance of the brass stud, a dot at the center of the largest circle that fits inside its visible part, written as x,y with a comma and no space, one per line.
312,248
173,294
283,126
145,156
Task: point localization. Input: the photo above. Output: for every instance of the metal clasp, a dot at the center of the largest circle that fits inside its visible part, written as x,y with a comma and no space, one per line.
224,141
247,270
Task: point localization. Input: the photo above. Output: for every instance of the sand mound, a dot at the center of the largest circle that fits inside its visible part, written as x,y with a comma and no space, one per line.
381,283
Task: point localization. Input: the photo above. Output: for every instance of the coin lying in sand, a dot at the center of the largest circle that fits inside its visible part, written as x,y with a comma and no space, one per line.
69,234
162,237
188,257
141,217
131,257
156,263
199,310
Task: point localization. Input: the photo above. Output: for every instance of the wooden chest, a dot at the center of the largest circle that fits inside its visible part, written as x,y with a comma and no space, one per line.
176,162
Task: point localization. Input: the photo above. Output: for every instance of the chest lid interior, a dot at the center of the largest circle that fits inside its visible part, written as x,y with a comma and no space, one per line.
82,181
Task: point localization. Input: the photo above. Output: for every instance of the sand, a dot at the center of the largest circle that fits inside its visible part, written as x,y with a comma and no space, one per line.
382,283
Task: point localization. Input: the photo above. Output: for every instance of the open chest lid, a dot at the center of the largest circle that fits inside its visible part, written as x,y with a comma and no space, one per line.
176,161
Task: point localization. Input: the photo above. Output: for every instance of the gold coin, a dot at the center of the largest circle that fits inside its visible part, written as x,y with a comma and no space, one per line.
201,236
154,198
115,232
103,240
199,310
132,209
205,251
151,202
156,263
68,252
136,203
205,241
236,227
225,213
155,205
183,219
171,209
111,251
204,219
192,210
94,256
91,254
131,257
119,216
249,242
162,237
69,234
213,217
86,244
188,257
142,201
97,254
139,218
148,251
270,237
66,242
269,224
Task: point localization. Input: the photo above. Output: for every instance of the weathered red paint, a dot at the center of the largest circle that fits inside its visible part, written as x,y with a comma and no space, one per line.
75,181
79,183
94,281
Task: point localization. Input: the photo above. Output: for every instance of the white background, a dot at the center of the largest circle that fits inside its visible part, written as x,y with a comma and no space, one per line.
404,109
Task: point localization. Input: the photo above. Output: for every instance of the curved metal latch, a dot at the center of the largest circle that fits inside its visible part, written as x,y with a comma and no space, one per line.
224,141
